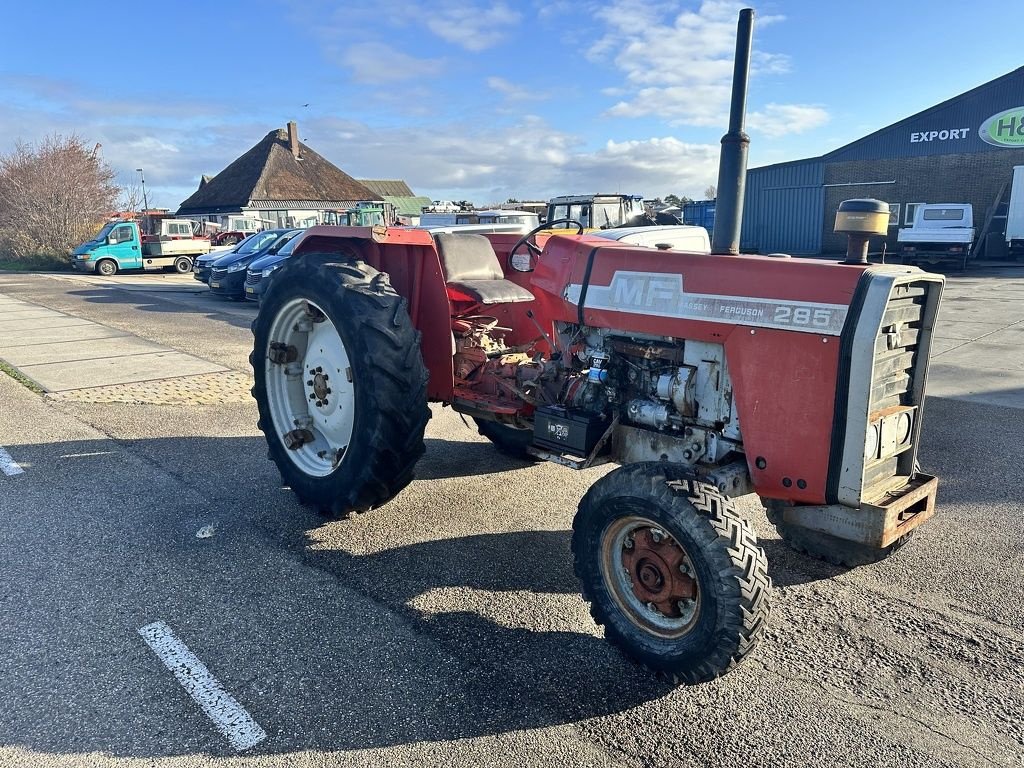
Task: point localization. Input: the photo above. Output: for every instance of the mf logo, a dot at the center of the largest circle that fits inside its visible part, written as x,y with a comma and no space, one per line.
647,290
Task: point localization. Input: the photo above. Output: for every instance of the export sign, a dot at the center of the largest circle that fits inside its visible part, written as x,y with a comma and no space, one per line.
1005,129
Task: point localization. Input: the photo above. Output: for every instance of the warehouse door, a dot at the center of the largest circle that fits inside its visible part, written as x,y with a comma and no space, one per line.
792,220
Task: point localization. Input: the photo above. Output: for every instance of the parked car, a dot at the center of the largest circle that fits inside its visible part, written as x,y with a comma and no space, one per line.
201,267
259,271
227,278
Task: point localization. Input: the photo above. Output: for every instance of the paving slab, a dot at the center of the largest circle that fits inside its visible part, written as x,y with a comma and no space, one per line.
967,331
941,346
71,351
1014,334
102,372
986,355
59,334
31,324
965,382
15,312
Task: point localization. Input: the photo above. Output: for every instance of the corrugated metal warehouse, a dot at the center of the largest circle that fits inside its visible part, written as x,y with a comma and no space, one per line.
960,151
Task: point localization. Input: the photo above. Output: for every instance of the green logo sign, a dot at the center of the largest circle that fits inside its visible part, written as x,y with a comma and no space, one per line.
1005,129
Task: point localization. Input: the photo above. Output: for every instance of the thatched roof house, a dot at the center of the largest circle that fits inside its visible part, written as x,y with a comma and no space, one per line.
280,180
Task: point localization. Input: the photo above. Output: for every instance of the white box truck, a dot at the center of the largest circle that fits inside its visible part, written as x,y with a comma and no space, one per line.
941,233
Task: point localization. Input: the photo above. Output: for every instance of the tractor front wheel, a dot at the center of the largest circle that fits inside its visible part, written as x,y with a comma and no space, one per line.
340,383
671,570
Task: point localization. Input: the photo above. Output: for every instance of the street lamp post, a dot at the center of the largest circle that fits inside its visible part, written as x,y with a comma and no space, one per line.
145,200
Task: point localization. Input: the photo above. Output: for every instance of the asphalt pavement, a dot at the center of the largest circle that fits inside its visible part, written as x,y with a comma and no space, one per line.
445,628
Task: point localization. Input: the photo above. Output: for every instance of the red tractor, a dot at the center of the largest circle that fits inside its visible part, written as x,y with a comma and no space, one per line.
705,377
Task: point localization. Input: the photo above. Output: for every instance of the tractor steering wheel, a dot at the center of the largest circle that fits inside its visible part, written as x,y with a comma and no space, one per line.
532,248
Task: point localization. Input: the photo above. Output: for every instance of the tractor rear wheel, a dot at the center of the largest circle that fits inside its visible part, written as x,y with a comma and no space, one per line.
340,383
509,440
671,570
831,549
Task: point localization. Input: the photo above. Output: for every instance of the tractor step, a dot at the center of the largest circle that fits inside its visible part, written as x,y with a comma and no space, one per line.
566,459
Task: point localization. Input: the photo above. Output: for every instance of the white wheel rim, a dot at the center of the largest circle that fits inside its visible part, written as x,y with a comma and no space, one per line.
315,392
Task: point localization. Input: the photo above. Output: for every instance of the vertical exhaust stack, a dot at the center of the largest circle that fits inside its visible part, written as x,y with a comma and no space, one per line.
732,165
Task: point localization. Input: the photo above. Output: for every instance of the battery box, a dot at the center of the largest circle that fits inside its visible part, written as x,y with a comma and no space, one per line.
566,430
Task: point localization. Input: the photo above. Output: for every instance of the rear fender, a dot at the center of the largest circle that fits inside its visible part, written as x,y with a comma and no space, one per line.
410,259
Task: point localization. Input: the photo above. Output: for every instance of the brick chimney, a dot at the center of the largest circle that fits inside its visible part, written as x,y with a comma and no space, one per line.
293,138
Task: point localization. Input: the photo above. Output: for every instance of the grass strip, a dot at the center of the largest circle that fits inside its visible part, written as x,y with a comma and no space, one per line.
21,378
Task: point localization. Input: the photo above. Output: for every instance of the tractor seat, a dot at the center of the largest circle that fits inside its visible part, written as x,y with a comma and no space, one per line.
471,268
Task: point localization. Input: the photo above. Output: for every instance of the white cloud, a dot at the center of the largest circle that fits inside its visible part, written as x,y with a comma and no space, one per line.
485,160
472,27
514,92
678,66
781,119
528,159
374,62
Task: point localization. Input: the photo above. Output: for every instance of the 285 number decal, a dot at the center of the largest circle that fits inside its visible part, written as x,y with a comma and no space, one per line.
816,318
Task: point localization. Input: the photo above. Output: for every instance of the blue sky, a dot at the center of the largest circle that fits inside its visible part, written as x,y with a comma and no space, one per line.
484,100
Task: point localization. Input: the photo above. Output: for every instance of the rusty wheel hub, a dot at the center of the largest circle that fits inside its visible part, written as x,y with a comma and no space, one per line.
659,571
650,576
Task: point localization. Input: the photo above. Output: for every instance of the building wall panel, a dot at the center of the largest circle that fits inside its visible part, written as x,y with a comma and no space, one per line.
782,208
973,178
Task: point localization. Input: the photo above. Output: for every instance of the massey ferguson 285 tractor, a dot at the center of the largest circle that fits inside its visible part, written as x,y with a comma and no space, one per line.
704,376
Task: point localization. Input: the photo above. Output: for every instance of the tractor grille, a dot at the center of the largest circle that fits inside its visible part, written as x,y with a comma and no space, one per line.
895,364
253,278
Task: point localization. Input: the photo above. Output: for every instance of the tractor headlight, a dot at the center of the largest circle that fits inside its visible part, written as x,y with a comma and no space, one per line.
238,266
871,442
890,434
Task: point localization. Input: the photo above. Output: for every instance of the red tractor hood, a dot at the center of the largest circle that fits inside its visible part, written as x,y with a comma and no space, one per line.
590,281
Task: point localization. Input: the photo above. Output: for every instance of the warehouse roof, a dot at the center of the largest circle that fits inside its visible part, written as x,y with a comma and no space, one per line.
952,126
387,187
408,205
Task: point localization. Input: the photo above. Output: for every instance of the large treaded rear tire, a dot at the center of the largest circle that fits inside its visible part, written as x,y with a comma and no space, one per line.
830,549
388,375
731,569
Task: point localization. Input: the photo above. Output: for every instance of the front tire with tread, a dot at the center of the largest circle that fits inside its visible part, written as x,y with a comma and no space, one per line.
388,375
731,569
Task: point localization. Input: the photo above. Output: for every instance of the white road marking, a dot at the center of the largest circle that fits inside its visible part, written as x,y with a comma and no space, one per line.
220,706
8,465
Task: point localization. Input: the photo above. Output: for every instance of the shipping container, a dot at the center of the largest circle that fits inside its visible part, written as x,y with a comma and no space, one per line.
700,213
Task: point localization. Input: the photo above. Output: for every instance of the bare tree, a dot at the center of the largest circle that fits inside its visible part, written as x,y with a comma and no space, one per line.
53,195
711,193
131,198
